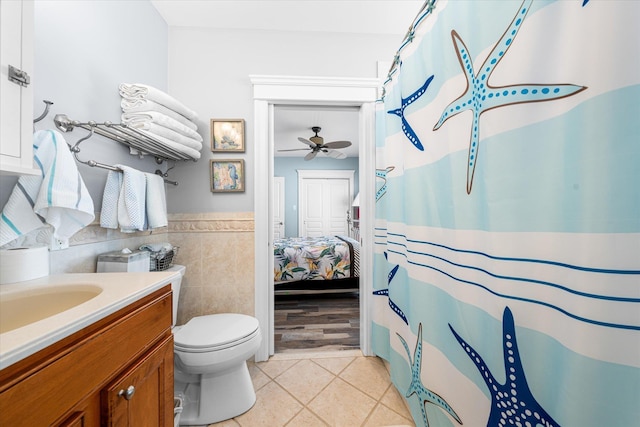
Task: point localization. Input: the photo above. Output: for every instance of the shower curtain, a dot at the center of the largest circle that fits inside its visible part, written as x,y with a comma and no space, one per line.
507,228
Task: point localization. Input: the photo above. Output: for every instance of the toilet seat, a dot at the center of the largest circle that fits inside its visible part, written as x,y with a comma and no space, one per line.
215,332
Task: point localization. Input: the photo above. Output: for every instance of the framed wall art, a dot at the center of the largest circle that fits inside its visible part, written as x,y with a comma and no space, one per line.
227,175
227,135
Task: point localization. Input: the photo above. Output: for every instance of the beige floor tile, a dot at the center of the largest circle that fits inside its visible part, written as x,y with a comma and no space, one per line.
306,419
383,416
309,354
334,364
273,367
274,407
394,400
342,405
259,378
227,423
369,375
305,380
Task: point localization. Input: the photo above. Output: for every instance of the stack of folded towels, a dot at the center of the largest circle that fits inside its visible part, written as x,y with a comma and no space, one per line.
162,117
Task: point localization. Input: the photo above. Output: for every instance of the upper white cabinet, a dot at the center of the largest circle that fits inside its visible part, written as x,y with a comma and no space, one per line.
16,93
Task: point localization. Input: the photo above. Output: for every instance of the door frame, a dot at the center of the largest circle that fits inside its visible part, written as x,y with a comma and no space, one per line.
269,91
281,199
346,174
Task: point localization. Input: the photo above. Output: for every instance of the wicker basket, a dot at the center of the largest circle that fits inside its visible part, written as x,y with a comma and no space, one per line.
162,260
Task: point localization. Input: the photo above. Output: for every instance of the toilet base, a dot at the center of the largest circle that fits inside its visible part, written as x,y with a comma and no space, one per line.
211,398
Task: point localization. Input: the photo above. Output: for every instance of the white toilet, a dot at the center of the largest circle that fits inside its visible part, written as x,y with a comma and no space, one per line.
210,368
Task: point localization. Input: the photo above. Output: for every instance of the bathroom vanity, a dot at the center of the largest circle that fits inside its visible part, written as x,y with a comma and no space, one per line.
114,371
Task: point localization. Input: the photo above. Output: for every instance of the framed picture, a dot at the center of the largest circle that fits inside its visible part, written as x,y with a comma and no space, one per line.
227,135
227,175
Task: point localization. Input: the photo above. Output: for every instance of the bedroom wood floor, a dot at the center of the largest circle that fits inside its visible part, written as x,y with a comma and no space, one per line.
322,322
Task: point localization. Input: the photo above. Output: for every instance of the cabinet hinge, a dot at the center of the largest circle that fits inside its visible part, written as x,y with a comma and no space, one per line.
18,76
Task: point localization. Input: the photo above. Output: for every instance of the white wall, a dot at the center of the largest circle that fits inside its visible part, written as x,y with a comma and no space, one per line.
83,51
287,167
209,71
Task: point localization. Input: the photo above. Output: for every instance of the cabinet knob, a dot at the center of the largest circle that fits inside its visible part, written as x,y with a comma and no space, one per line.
128,393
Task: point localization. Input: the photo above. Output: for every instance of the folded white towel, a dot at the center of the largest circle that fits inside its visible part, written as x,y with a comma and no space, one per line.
156,201
144,105
180,148
142,91
167,133
140,119
58,197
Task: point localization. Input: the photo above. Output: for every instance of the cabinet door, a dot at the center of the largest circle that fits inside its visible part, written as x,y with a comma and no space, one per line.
16,101
142,396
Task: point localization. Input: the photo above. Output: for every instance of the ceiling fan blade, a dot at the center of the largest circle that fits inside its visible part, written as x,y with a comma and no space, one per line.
337,144
310,156
306,141
295,149
335,154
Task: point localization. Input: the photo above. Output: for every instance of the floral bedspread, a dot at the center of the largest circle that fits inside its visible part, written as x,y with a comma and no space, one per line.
312,258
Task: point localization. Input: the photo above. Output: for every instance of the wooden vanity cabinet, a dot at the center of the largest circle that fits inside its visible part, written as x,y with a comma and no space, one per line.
116,372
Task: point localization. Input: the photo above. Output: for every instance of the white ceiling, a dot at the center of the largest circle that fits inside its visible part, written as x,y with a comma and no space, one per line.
337,16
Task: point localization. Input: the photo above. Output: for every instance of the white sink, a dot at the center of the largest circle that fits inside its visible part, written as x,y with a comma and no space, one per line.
20,308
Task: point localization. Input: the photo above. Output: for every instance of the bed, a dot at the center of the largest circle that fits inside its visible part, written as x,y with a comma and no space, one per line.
316,265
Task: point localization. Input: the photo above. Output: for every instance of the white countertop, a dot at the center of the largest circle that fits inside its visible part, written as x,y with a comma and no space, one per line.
119,290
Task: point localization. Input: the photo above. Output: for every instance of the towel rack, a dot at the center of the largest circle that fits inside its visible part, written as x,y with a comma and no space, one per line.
124,134
63,124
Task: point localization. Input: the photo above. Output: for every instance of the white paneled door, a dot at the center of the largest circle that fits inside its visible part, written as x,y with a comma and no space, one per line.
278,207
324,199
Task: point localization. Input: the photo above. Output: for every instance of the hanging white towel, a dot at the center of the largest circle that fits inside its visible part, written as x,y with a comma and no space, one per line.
57,197
110,196
142,91
156,201
132,201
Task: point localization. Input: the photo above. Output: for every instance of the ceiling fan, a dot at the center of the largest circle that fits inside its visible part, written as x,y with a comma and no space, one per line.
316,144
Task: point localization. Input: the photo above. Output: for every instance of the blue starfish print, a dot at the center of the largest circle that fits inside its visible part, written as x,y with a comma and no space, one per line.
416,387
512,402
385,292
382,173
480,96
406,128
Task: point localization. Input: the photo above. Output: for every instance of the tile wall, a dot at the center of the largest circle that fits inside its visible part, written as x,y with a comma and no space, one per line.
216,248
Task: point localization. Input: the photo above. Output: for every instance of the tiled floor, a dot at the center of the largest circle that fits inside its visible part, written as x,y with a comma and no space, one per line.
323,389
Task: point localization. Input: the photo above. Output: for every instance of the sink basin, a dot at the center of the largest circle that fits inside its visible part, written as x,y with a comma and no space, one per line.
21,308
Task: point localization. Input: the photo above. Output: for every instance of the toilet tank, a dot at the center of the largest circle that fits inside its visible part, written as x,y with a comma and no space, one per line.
175,287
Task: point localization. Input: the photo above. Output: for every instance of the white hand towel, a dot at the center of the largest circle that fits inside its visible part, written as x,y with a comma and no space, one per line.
153,117
57,197
142,105
132,200
142,91
110,196
156,201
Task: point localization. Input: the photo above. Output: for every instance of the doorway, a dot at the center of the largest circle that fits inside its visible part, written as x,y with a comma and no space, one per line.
268,91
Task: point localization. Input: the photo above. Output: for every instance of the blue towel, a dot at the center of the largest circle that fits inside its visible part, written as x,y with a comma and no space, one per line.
57,197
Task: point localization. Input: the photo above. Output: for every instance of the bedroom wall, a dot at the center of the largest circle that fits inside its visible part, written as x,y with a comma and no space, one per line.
288,167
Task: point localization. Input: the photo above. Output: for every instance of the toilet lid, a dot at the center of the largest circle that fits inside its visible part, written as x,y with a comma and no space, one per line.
215,330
